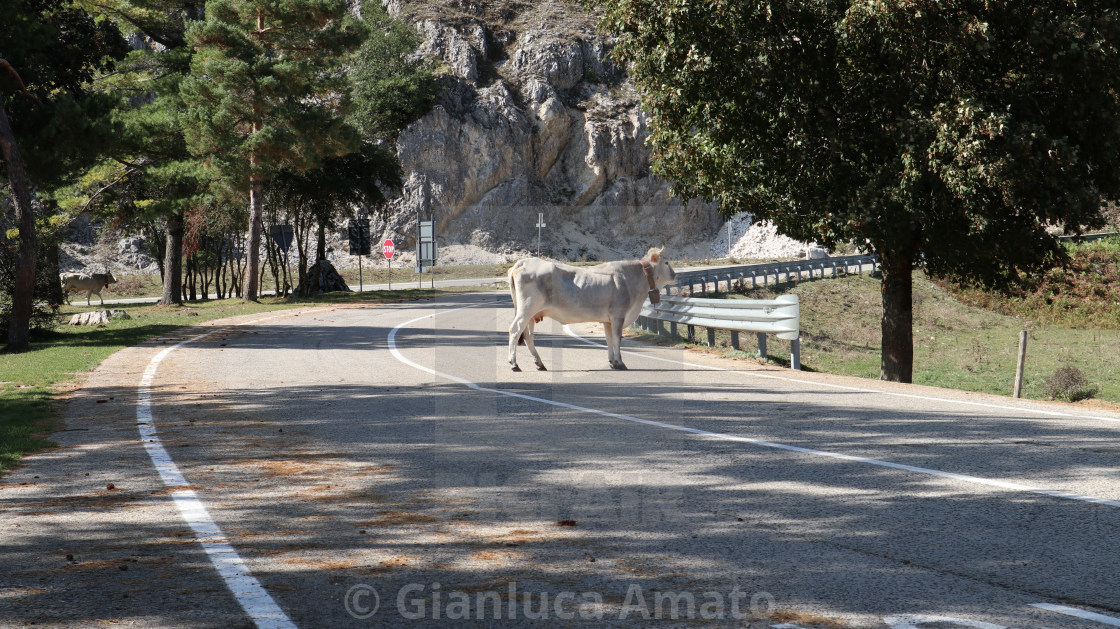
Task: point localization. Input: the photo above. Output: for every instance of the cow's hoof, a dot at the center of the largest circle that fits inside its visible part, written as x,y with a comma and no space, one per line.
542,368
619,366
516,368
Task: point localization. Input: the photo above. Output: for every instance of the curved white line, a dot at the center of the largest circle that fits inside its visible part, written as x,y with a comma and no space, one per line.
912,396
248,591
991,482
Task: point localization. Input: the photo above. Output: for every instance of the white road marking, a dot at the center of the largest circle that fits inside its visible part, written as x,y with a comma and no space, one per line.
915,622
912,396
248,591
1079,613
991,482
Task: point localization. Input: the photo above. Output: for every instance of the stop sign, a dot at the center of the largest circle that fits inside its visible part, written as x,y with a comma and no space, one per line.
388,249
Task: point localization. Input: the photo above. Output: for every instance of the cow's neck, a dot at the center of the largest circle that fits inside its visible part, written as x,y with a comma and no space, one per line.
647,268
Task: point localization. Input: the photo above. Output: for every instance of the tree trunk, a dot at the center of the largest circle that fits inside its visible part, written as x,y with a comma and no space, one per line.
898,316
253,253
19,330
321,249
173,262
192,277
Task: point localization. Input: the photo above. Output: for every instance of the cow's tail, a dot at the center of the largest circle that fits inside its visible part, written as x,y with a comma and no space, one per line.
513,295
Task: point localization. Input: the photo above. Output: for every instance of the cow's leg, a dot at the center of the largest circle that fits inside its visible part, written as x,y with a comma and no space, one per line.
533,346
101,298
517,331
88,295
613,330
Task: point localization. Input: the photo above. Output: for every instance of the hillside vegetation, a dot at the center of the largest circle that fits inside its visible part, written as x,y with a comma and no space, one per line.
1083,295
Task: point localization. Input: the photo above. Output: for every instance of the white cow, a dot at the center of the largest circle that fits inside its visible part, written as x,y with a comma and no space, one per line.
78,282
611,293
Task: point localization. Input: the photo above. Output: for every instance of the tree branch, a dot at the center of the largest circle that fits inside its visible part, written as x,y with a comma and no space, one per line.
23,88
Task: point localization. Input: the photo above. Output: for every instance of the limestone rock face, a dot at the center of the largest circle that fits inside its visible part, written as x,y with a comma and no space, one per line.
534,118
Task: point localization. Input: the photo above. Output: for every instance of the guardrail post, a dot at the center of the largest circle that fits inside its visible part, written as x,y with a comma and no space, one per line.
711,337
735,339
673,329
659,327
795,354
762,346
691,333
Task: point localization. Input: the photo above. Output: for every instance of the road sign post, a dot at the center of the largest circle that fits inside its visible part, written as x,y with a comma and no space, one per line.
388,249
359,244
540,226
282,236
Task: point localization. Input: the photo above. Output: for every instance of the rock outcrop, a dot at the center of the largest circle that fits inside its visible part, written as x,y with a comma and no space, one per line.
535,119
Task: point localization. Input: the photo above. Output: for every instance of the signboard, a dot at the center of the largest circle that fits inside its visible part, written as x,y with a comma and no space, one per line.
426,246
282,234
427,254
388,249
359,237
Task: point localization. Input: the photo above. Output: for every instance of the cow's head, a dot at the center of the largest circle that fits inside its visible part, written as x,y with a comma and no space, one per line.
109,279
663,274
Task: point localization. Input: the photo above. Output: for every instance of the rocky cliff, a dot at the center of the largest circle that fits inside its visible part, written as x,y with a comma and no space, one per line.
535,118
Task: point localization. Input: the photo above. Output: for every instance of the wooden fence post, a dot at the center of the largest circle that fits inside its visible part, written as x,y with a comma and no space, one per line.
1019,366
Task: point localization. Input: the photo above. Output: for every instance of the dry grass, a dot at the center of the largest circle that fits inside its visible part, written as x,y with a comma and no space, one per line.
805,618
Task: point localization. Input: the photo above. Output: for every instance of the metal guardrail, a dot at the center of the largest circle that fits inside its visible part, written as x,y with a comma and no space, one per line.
781,316
771,271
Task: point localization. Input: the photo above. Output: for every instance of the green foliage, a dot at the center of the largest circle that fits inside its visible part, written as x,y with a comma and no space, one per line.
954,129
269,94
358,179
42,314
164,21
1069,384
393,86
60,123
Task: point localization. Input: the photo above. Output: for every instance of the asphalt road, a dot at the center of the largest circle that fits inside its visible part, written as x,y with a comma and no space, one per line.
352,455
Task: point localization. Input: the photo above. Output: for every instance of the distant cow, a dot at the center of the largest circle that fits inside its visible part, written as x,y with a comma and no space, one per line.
93,283
612,294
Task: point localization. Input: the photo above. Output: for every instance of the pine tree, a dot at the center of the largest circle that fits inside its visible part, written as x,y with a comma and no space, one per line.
267,90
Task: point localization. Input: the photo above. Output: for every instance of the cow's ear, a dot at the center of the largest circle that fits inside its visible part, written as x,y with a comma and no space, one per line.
654,255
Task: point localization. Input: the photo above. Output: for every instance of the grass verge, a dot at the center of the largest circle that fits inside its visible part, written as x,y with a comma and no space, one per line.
32,382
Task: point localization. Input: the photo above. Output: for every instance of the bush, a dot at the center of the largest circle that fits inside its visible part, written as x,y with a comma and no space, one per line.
1069,384
46,284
